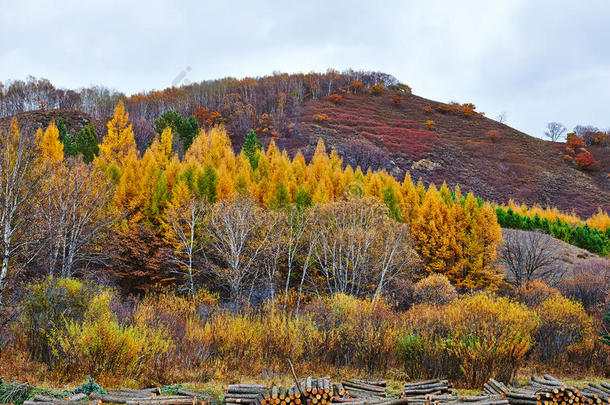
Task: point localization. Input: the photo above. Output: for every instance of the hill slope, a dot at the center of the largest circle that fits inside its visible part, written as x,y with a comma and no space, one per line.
374,130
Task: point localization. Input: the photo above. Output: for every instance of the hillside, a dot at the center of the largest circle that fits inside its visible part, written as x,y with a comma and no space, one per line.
368,129
371,131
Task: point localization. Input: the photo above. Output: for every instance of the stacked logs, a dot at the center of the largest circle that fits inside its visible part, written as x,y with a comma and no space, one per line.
365,389
428,387
448,399
150,396
597,393
493,387
45,400
548,390
244,393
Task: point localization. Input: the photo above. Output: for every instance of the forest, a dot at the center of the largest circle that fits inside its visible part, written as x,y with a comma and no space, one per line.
194,259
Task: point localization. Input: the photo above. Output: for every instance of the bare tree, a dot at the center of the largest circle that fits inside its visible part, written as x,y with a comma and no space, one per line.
182,224
75,213
17,188
530,255
554,131
238,231
501,118
359,247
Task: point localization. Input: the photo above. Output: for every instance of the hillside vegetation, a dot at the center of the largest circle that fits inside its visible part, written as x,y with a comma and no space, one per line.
187,249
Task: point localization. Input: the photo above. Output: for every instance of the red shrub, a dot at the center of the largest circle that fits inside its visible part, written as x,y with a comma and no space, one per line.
397,99
585,160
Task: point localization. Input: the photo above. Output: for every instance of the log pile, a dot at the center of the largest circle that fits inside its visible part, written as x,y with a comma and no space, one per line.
548,390
150,396
365,389
493,387
428,387
245,393
448,399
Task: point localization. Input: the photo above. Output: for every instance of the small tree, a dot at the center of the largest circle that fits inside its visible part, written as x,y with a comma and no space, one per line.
554,131
605,335
252,148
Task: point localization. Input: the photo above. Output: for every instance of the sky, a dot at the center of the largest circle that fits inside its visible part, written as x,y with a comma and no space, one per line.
537,61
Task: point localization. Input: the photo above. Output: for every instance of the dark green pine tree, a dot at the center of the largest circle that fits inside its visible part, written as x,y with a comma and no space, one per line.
86,144
186,128
251,148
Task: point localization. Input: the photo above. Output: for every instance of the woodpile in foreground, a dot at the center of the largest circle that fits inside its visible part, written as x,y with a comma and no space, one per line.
148,396
548,390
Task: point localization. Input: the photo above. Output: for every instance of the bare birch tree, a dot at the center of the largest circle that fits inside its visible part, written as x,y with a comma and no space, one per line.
359,248
75,213
17,188
238,231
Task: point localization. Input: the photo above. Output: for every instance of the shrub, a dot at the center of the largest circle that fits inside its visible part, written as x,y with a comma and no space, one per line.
566,332
99,346
568,158
435,289
356,86
575,141
430,125
397,99
428,109
336,98
377,89
468,340
320,117
590,283
534,293
46,310
585,160
493,135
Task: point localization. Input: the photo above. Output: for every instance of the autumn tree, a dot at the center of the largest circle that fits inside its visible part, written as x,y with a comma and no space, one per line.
18,186
119,142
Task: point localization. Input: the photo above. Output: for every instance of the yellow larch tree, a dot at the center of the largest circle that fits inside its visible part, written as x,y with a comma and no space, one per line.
119,141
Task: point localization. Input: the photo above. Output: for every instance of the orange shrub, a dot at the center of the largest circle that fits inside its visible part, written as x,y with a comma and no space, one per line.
435,289
585,160
430,125
568,158
575,141
356,86
335,98
467,109
320,117
428,109
534,293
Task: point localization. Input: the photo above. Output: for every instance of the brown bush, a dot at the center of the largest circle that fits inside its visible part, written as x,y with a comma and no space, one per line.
590,284
336,98
428,109
435,289
493,135
535,293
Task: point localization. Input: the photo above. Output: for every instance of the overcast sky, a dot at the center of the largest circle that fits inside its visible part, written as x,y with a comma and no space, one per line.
539,61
